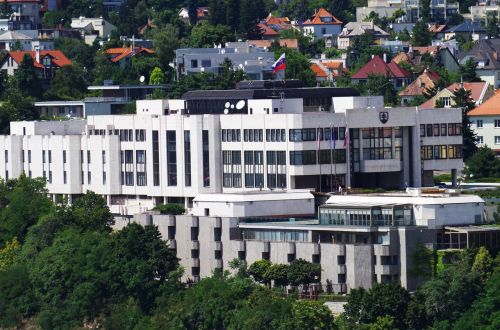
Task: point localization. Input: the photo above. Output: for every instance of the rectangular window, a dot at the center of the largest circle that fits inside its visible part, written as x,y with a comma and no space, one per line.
104,178
206,159
497,123
436,130
479,123
422,130
50,156
171,158
231,176
455,151
426,152
187,158
440,152
497,139
64,157
43,156
429,130
140,135
88,156
443,130
206,63
89,177
6,156
65,179
50,176
479,139
156,159
304,157
29,156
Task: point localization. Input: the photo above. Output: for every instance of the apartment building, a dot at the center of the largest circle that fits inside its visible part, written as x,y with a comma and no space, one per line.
262,136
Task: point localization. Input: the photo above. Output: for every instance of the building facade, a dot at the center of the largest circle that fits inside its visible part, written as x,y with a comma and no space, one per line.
358,240
234,141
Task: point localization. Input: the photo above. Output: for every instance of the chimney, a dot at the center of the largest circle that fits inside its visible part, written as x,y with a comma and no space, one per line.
37,55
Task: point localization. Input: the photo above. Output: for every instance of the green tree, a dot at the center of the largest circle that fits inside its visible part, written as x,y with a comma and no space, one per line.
17,299
277,274
379,85
483,263
9,253
422,263
468,71
68,84
26,79
78,52
205,35
425,12
5,10
298,66
492,29
259,269
302,272
463,99
307,314
421,35
192,6
90,212
157,77
165,42
27,202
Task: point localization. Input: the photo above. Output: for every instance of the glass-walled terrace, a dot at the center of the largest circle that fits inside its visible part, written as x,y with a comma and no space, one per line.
397,215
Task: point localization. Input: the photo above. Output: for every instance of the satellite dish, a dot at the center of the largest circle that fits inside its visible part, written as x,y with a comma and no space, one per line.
240,105
227,104
142,79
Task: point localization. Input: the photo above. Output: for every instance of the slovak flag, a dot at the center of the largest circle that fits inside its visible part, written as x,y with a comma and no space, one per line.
280,64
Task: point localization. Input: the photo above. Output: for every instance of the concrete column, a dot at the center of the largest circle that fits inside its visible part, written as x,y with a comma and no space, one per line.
416,158
186,202
454,177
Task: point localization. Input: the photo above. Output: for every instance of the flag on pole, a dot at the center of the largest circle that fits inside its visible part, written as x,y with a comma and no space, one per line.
346,137
318,137
280,64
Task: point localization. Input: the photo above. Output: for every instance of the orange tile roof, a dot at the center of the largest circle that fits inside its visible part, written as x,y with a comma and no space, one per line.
122,53
489,108
436,28
58,58
322,12
276,20
476,89
402,57
319,72
266,30
427,79
332,65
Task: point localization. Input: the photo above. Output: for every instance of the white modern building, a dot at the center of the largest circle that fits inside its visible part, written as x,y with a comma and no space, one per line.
254,61
485,122
264,135
358,240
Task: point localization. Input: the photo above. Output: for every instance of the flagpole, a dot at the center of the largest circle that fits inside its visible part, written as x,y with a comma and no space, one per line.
335,159
332,145
318,157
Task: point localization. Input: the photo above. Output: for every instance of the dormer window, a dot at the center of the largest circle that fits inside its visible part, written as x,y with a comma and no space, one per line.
326,19
46,61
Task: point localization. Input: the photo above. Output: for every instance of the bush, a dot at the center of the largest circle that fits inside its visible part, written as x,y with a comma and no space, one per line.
173,209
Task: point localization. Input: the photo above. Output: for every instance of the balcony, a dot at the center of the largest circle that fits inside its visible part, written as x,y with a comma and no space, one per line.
380,165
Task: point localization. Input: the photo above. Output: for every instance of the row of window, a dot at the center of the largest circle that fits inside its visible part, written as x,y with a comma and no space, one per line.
452,151
279,135
479,123
309,157
125,134
451,129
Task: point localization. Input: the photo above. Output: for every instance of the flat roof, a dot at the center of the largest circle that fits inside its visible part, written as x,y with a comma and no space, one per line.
309,225
472,229
381,200
256,195
57,103
118,87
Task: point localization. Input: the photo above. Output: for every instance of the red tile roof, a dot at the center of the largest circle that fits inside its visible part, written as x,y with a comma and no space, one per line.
318,15
276,20
289,43
490,107
402,57
119,54
58,58
266,30
377,66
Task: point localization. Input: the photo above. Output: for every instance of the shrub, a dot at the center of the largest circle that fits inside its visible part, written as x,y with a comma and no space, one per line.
173,209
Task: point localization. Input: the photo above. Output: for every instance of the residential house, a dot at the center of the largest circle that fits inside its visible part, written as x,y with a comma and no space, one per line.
254,61
46,62
15,40
466,30
440,10
426,80
395,46
441,54
377,66
25,14
355,29
91,28
271,26
323,26
327,70
483,10
486,55
201,14
284,43
438,30
485,122
124,55
480,91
